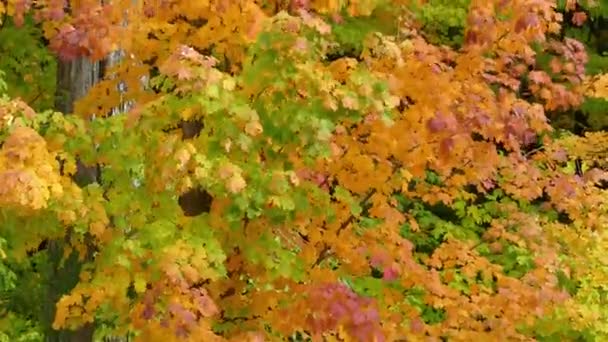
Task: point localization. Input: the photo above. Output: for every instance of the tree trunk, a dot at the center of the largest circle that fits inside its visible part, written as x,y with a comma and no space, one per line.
74,79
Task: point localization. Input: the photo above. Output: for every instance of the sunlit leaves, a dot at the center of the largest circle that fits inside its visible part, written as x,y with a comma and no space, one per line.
29,174
395,190
598,86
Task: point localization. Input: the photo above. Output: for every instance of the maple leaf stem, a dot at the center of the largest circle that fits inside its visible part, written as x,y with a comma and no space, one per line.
351,218
327,252
531,152
36,96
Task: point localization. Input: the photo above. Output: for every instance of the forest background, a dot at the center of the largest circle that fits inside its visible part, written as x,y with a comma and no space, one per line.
337,170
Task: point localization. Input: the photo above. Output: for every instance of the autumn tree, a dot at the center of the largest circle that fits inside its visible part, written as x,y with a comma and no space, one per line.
304,171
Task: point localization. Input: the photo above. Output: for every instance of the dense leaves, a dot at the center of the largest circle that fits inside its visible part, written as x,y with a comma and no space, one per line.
318,169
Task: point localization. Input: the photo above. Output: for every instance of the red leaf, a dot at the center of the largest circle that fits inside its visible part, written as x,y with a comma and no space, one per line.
579,18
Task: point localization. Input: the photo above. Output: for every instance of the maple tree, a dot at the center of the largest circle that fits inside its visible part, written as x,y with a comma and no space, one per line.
306,170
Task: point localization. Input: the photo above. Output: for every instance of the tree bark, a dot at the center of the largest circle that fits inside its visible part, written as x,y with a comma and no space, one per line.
74,79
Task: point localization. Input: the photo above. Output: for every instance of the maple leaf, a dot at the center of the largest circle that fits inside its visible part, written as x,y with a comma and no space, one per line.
183,74
254,128
236,183
597,86
579,18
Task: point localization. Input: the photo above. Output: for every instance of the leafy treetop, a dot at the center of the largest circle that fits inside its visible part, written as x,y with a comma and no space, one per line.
406,191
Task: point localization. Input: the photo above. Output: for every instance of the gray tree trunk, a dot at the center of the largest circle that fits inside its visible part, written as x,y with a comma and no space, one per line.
74,79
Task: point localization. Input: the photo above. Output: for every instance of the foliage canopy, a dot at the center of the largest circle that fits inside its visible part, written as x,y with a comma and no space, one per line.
354,170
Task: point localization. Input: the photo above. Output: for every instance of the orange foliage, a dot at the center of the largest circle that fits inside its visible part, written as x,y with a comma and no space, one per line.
286,261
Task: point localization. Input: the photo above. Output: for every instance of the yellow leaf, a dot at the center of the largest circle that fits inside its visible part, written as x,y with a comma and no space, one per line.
226,171
182,156
229,84
597,86
293,178
60,317
67,216
253,128
139,284
97,229
200,173
187,114
236,183
407,176
190,273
